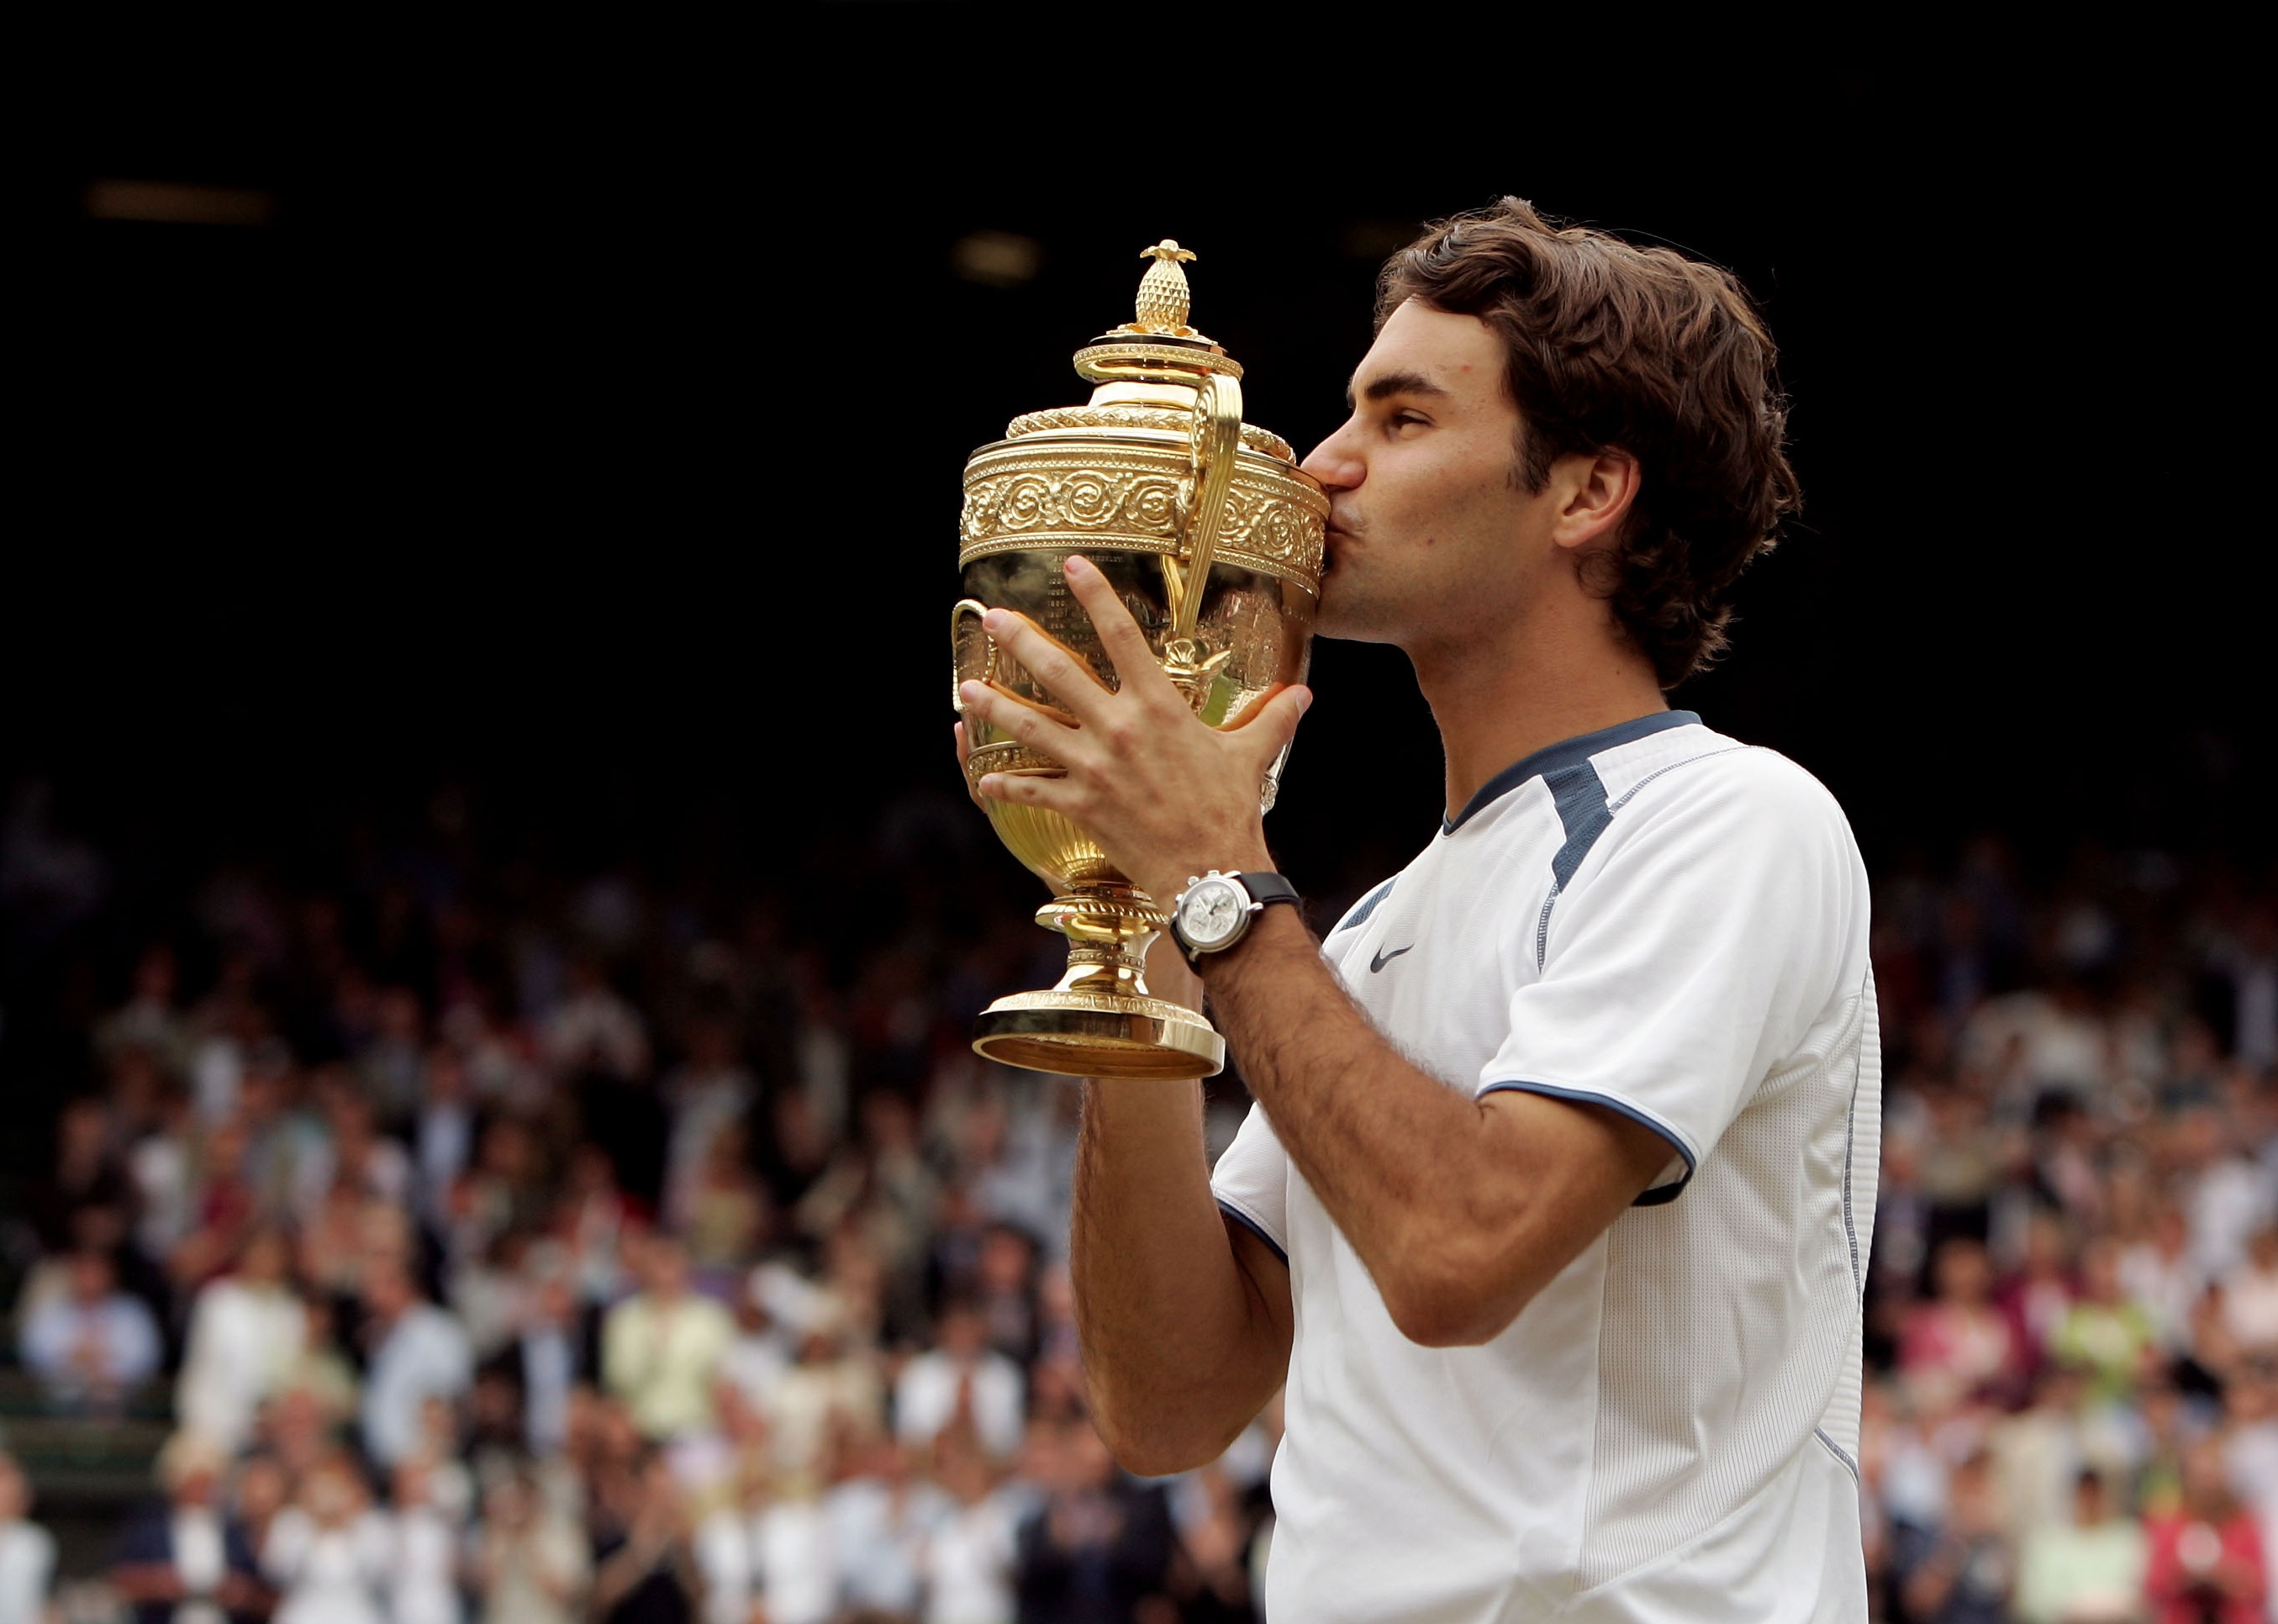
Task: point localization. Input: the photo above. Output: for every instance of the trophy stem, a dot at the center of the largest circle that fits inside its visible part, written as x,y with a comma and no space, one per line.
1100,1020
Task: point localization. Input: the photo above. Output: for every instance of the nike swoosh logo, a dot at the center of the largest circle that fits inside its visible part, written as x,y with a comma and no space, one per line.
1378,961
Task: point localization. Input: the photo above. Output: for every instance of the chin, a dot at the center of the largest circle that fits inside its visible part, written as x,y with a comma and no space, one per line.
1344,614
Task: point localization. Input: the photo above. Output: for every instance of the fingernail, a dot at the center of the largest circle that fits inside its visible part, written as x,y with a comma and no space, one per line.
971,692
996,620
1077,561
989,781
1304,700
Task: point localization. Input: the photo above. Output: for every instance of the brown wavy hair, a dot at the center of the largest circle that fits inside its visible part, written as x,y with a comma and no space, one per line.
1613,345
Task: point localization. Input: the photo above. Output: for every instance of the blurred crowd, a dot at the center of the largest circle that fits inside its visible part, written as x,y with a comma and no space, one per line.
525,1257
532,1262
2071,1414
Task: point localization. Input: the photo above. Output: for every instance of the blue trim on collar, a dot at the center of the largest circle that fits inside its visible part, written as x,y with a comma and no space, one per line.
1567,753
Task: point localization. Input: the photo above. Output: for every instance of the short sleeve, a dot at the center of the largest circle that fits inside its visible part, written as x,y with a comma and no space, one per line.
1251,1183
1694,953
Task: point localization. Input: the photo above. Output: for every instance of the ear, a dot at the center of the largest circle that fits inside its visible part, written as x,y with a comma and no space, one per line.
1596,491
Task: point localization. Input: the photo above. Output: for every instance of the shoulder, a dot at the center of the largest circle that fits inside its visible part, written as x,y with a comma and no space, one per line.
1701,792
1698,770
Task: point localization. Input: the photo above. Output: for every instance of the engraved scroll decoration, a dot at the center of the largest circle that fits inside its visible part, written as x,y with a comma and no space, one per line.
1021,499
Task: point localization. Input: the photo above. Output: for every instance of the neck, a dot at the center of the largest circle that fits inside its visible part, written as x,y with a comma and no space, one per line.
1498,702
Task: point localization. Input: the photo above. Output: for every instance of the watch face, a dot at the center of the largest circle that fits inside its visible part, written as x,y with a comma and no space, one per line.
1212,912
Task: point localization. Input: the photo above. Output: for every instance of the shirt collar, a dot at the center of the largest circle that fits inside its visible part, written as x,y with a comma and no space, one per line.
1566,752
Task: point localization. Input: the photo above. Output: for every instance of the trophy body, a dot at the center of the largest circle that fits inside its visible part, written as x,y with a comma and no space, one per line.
1212,538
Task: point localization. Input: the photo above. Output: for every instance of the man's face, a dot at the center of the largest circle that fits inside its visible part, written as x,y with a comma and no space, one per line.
1431,532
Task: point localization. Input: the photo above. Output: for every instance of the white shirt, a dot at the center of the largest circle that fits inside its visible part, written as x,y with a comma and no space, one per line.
424,1355
1673,926
968,1564
328,1576
925,1398
28,1561
244,1339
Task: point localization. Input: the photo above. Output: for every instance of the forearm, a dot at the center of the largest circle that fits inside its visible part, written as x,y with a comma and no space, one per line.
1382,1144
1180,1351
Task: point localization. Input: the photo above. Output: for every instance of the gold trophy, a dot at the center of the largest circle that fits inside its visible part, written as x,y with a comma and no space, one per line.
1212,538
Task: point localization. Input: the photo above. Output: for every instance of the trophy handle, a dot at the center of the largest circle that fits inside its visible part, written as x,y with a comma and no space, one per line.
1216,436
976,608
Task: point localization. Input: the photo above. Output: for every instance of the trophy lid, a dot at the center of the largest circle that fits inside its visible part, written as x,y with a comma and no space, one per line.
1156,345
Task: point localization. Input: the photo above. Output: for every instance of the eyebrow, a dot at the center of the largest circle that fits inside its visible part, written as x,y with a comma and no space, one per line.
1389,384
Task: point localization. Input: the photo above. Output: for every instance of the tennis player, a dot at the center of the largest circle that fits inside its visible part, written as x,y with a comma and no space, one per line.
1553,1211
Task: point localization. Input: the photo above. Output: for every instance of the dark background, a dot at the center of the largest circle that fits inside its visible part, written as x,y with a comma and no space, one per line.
600,476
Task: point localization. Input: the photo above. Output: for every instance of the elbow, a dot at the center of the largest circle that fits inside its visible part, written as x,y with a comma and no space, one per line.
1158,1446
1454,1299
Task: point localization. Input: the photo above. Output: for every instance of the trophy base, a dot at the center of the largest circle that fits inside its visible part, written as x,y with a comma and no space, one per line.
1080,1034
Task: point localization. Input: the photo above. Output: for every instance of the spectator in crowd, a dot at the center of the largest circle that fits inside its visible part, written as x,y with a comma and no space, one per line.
961,1383
28,1551
2087,1571
189,1562
329,1552
417,1351
530,1562
1100,1546
1967,1574
661,1347
644,1571
90,1343
248,1331
2206,1559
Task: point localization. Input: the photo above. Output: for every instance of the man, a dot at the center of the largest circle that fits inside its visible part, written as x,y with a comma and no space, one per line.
961,1378
91,1342
418,1351
661,1348
1553,1211
189,1561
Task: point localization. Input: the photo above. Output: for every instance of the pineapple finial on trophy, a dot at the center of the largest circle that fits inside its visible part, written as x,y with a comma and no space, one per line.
1164,300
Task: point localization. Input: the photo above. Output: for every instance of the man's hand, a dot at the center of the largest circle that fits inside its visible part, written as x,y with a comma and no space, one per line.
1165,795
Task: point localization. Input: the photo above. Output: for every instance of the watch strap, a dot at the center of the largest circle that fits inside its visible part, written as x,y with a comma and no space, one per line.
1263,888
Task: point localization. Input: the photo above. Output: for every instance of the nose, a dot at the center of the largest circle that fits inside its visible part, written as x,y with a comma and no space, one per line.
1336,461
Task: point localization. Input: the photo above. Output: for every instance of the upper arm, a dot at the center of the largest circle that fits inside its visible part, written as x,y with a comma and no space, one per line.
1251,1184
1583,1166
1273,1317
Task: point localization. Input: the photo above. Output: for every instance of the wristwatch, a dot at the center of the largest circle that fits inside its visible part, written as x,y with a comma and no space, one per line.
1214,911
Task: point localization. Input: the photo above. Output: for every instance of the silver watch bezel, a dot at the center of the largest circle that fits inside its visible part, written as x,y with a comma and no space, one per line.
1250,909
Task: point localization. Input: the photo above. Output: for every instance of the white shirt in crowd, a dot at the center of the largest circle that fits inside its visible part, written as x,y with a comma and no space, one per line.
925,1398
422,1572
200,1562
244,1339
2166,1288
880,1536
27,1564
424,1355
333,1576
1670,925
2249,1307
968,1564
781,1555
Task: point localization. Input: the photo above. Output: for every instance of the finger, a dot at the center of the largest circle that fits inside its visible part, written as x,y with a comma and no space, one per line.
1271,721
1058,669
1011,714
1051,794
1136,667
